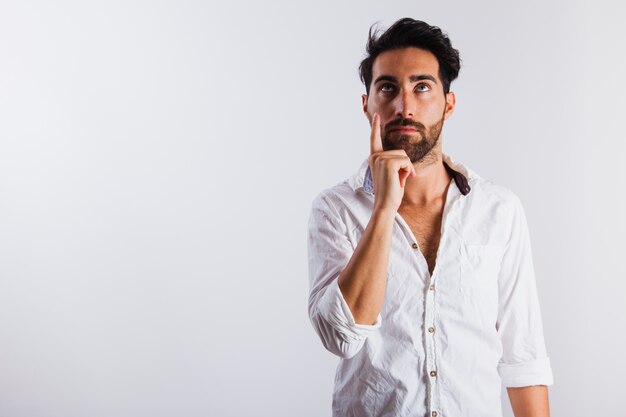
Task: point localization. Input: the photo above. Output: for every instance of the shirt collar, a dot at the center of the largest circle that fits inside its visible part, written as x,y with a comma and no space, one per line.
461,173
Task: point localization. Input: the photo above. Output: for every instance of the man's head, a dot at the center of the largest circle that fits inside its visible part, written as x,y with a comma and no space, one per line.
407,76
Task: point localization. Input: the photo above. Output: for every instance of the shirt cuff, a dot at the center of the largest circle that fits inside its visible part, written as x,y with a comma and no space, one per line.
334,309
524,374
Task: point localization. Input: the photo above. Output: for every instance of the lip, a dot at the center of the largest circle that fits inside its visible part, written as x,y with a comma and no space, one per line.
403,129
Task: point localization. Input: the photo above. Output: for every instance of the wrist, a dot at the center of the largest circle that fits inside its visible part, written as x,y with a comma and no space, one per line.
384,213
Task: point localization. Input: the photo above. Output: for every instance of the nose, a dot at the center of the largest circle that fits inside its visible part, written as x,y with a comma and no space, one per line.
405,105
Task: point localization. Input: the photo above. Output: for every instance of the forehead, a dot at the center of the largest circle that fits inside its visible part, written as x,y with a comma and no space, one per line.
404,62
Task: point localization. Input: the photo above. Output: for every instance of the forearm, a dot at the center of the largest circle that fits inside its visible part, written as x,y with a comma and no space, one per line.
529,401
364,279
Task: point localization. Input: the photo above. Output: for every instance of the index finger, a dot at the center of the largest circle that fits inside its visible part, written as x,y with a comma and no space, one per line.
376,143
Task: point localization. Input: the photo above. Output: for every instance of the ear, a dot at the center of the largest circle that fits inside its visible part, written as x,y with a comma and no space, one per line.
364,104
450,103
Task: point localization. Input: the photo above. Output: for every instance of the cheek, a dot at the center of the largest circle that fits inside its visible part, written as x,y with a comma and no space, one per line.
432,108
385,104
385,110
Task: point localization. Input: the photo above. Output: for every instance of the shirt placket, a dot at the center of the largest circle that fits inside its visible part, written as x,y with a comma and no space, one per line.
430,307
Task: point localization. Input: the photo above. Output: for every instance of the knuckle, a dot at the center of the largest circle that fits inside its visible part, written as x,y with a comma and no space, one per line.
389,162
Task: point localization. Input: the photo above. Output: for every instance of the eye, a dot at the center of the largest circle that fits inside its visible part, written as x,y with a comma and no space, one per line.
423,87
386,87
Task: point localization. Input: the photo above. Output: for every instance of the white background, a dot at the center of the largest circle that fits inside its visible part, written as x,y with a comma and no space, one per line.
157,165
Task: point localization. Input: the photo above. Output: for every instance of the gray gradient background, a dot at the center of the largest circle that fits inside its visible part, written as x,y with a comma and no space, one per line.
157,165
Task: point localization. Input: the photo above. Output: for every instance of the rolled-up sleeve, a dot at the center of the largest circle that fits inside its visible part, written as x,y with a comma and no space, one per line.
524,360
329,250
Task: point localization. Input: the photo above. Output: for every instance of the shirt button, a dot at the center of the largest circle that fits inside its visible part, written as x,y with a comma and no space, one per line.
434,414
432,287
431,330
433,373
414,245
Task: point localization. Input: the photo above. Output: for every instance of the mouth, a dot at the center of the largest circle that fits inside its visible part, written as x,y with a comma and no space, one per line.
404,129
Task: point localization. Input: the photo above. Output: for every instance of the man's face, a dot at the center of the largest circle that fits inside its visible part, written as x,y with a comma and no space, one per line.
408,95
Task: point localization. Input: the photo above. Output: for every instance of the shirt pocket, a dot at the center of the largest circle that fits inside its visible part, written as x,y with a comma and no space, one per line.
480,266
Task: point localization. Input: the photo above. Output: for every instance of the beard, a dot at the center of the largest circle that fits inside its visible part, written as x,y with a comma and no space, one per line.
416,145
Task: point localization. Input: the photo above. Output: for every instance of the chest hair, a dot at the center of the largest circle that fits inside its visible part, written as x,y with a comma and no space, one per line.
425,223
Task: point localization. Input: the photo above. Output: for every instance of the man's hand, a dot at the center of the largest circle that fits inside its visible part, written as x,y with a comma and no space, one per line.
390,169
364,279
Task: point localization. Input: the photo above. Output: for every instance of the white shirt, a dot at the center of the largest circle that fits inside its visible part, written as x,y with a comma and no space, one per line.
442,345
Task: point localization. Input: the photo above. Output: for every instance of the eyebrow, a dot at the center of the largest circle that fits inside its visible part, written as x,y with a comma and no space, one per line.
412,78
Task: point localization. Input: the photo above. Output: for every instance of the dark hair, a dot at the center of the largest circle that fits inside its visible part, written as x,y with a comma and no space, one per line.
409,32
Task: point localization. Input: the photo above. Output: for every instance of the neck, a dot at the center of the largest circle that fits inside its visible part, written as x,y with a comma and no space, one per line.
431,182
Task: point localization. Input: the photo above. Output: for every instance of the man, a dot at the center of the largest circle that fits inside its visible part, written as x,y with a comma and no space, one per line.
421,274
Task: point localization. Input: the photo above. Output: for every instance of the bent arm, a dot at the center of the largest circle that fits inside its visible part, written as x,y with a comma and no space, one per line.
335,259
364,279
